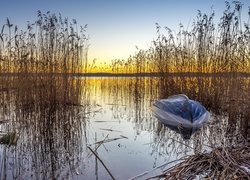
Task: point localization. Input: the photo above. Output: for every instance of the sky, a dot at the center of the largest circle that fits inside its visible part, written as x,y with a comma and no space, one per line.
116,27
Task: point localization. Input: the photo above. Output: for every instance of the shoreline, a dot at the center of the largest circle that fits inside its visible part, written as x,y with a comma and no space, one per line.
181,74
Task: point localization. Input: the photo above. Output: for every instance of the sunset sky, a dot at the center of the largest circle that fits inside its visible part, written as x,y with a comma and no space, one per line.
116,27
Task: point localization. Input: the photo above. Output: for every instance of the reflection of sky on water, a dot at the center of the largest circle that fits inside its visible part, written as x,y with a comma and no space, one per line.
129,156
120,108
149,144
122,114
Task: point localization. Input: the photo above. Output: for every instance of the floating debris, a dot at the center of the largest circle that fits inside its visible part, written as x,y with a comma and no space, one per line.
105,121
110,140
112,130
9,138
2,121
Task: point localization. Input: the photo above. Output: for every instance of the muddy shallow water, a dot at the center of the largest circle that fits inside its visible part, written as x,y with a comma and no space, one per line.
56,120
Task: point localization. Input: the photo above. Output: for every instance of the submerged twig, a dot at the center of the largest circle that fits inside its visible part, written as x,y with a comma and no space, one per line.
110,130
160,166
105,121
109,140
99,144
101,162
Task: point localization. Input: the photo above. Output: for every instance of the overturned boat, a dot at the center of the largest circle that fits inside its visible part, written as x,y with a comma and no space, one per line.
181,112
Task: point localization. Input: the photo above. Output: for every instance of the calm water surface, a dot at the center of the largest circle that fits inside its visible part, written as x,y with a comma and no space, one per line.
56,125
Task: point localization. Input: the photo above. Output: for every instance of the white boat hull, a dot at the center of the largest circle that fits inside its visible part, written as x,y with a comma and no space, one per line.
173,120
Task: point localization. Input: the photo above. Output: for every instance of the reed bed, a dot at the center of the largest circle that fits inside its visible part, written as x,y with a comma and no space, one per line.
204,46
47,117
220,163
52,44
39,100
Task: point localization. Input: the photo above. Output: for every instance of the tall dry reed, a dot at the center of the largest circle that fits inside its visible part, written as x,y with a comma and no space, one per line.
206,48
52,44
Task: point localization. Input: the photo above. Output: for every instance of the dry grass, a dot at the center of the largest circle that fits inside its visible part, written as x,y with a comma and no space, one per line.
204,46
220,163
51,44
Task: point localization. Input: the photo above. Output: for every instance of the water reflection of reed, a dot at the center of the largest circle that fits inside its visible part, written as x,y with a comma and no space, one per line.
227,98
44,112
48,113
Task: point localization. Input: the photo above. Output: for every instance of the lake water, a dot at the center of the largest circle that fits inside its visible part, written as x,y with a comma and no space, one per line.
58,120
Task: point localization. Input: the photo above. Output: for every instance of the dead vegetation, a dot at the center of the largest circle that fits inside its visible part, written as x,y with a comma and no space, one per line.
220,163
205,46
51,44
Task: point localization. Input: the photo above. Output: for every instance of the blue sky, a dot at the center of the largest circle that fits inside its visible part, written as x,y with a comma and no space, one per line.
116,27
